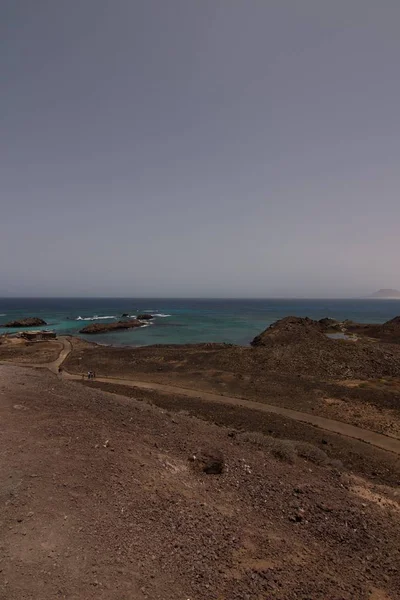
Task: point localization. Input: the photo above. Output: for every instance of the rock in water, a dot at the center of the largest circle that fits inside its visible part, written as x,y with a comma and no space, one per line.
104,327
145,317
28,322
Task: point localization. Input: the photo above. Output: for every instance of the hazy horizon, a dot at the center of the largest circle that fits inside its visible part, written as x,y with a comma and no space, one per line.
213,149
367,297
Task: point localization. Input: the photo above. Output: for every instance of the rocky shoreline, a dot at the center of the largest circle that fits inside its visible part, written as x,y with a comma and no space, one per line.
27,322
106,327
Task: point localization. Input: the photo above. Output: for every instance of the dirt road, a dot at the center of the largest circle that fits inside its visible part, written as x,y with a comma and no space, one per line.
370,437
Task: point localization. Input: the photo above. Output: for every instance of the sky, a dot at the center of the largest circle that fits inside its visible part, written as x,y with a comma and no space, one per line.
244,148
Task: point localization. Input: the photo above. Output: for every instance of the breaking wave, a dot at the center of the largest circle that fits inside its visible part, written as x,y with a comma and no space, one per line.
161,315
94,318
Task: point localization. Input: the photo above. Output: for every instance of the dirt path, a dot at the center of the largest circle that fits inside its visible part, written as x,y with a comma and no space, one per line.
65,351
358,433
365,435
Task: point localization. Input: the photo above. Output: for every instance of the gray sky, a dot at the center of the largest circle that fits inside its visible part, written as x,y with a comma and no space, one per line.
199,147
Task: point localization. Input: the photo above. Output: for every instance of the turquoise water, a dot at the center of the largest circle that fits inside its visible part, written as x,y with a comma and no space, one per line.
187,321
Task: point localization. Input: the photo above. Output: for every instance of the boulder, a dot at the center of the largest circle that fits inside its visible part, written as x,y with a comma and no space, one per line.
105,327
28,322
329,325
145,317
327,322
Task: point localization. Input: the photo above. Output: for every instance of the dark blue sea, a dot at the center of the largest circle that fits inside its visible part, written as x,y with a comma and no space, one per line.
178,321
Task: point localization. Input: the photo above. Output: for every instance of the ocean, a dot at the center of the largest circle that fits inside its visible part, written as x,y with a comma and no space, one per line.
182,321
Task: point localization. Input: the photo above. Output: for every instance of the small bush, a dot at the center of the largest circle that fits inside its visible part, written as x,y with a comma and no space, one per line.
311,453
336,464
286,450
257,438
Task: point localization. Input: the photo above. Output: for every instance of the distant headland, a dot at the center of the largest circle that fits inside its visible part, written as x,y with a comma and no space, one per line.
386,294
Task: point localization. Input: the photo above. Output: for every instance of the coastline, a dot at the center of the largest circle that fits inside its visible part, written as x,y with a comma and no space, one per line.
306,429
184,321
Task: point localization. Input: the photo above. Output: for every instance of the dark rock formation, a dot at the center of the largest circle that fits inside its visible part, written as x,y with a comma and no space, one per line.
105,327
124,315
330,325
300,345
28,322
145,317
288,328
385,332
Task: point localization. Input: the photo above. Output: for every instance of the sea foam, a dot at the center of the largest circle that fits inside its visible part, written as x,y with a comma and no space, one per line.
94,318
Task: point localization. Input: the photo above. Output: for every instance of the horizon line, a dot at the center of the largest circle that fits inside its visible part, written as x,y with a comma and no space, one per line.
369,297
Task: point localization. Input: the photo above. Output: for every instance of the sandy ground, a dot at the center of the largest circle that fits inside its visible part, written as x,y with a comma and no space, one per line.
18,350
100,501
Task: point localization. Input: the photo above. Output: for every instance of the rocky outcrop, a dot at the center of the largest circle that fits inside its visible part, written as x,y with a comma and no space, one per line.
105,327
385,332
145,317
329,324
288,329
28,322
300,346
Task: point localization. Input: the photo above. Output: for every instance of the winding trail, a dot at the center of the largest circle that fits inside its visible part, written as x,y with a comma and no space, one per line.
365,435
64,353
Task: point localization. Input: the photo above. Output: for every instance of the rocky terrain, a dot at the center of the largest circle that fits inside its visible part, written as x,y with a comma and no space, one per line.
20,351
296,366
27,322
105,327
387,332
291,347
104,496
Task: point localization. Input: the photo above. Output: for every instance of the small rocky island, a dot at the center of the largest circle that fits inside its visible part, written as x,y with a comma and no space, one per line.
28,322
144,317
105,327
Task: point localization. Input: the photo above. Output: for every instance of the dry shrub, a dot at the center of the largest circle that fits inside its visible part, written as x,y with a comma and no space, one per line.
184,413
257,438
311,453
336,464
280,449
286,450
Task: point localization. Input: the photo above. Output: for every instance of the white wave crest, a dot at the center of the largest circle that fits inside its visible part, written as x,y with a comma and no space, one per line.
161,315
94,318
3,315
